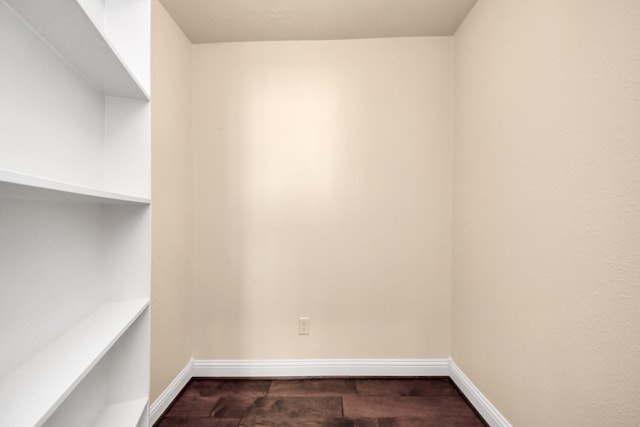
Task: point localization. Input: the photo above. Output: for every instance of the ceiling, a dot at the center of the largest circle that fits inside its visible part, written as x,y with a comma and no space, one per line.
214,21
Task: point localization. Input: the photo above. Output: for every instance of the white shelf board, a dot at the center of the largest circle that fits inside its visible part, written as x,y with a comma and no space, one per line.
125,414
33,391
22,185
66,27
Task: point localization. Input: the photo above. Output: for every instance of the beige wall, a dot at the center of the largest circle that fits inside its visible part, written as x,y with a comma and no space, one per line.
172,198
323,189
546,295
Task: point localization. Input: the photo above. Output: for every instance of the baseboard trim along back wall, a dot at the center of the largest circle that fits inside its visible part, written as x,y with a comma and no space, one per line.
329,368
321,368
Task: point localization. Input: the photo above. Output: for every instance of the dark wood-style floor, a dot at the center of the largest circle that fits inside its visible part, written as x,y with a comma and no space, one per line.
407,402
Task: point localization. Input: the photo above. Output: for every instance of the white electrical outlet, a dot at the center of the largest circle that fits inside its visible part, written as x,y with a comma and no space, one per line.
304,326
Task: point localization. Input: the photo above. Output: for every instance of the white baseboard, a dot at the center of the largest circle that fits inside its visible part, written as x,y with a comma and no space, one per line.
170,393
479,401
330,368
321,368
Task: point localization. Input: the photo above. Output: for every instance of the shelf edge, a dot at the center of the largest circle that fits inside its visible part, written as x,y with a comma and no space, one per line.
36,183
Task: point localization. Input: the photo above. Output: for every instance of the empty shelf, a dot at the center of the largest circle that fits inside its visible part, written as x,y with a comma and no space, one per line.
68,29
34,390
30,186
126,414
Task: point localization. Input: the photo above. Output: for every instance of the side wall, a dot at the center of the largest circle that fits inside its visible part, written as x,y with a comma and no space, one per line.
547,209
323,189
172,198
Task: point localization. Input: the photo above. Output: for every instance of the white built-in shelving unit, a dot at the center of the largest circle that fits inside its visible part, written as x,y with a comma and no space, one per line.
74,213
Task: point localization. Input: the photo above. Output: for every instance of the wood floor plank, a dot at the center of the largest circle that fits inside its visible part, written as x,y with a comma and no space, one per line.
313,387
405,387
283,408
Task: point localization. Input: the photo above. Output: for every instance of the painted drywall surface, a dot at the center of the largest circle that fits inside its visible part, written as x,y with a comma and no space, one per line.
323,189
172,198
546,294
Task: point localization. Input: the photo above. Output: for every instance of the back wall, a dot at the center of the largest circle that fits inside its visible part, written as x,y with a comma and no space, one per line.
323,189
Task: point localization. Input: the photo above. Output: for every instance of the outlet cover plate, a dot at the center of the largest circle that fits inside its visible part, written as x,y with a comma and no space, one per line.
304,326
